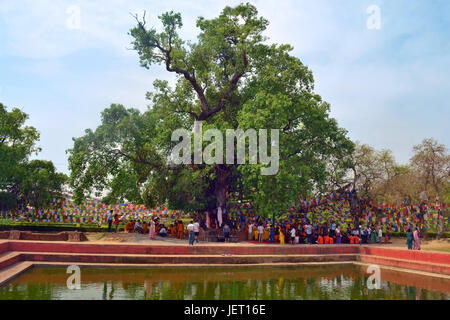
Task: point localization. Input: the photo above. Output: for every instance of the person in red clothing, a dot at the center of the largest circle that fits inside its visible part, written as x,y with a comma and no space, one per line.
130,226
116,221
180,230
320,239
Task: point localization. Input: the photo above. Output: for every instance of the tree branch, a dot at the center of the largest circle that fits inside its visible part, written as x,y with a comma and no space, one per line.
233,83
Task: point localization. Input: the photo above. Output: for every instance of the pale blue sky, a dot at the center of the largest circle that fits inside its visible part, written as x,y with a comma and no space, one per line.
389,88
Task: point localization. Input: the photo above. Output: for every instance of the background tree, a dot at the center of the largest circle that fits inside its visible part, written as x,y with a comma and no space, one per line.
371,168
23,181
431,163
229,79
376,173
402,185
41,184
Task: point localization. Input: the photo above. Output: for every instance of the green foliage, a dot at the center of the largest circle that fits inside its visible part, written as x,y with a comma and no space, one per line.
52,226
23,181
17,143
42,183
229,79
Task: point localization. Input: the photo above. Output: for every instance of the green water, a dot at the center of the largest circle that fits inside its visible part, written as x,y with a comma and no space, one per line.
311,283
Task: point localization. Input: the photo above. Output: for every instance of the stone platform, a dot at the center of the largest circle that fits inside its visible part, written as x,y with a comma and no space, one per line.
19,256
71,236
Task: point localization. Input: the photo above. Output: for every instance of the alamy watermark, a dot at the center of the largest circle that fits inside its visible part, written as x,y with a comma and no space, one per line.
213,153
74,280
374,20
73,21
374,281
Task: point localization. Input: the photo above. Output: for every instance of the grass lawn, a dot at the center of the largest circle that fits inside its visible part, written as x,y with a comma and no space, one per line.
437,249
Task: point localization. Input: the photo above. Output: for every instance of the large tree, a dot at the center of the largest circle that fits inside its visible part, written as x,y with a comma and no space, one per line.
231,78
23,181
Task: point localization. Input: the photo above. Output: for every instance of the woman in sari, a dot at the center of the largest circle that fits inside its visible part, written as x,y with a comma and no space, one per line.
387,238
416,240
281,237
409,239
266,234
374,236
277,234
152,232
208,222
255,233
272,234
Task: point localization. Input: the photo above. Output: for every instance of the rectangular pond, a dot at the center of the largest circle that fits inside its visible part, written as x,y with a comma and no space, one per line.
330,282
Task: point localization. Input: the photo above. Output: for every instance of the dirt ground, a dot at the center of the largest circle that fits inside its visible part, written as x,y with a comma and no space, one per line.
429,245
135,238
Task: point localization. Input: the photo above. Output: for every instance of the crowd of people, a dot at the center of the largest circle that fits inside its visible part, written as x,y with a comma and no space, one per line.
177,229
338,218
300,231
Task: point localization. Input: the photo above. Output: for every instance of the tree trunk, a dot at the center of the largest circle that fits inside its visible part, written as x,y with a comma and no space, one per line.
223,172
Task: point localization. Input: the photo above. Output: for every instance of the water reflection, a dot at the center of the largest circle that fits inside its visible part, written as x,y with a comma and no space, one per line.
336,283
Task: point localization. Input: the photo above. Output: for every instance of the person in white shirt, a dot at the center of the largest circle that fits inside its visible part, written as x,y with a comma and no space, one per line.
309,232
190,228
260,232
338,235
333,229
293,235
380,234
138,227
196,231
250,231
110,220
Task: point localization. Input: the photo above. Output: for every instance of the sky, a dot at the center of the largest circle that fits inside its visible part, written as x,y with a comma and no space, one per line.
382,65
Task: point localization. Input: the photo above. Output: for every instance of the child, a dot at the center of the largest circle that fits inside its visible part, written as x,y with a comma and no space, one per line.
380,234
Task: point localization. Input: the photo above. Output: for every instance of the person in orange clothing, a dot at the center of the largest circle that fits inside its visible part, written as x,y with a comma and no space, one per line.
145,227
174,229
129,227
331,240
327,239
281,236
352,239
180,229
320,239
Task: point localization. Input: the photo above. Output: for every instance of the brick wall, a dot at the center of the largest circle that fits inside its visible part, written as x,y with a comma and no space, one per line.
28,235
